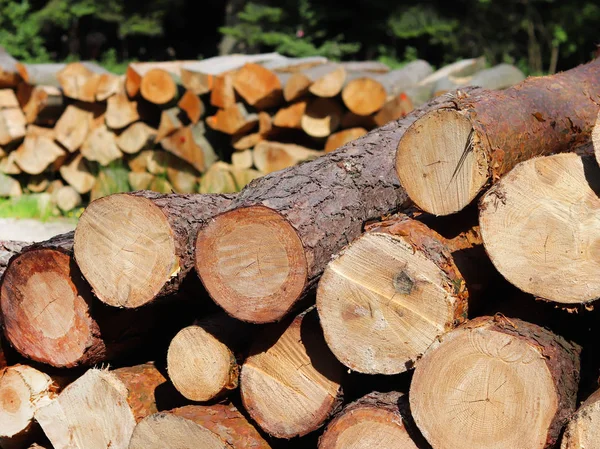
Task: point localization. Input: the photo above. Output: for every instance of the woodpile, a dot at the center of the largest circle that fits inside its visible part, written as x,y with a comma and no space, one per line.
319,307
181,126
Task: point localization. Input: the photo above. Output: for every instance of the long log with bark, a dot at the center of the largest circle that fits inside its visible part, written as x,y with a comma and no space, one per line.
539,227
310,212
495,382
195,426
149,254
449,155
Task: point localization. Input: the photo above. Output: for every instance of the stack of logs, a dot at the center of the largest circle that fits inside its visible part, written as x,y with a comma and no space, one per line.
358,300
206,126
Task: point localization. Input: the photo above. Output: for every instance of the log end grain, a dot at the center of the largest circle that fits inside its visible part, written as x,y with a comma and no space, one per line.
583,430
539,226
440,163
252,263
330,84
125,249
596,139
495,382
157,86
322,117
364,96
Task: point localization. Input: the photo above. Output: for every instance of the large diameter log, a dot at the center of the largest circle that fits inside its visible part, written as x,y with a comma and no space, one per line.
80,81
100,409
370,297
291,383
449,155
9,74
539,227
73,127
377,420
147,255
583,428
508,383
49,314
258,86
322,117
202,360
311,211
23,390
215,426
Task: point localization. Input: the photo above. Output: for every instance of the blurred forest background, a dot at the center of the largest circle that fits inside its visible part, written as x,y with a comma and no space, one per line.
539,36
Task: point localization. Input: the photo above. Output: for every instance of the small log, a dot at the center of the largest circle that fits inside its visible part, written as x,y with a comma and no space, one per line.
396,108
109,84
12,125
222,94
290,116
468,145
233,120
322,117
136,137
44,105
218,179
192,105
183,145
101,146
473,375
80,81
161,185
258,86
78,175
582,430
171,120
140,180
324,80
241,142
9,186
537,231
9,74
139,162
181,175
38,183
243,176
242,159
380,420
73,127
37,153
120,111
8,99
202,361
274,156
158,86
137,70
101,408
23,390
341,138
67,198
157,237
290,384
8,165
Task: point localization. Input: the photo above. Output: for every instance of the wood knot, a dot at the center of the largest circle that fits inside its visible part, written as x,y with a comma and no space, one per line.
403,283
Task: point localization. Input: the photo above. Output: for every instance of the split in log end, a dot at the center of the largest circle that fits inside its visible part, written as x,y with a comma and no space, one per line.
440,164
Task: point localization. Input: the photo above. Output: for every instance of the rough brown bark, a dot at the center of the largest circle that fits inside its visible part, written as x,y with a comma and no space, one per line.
177,218
8,249
323,203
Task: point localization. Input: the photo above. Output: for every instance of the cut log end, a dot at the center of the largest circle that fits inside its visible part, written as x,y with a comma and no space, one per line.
200,366
322,117
440,149
506,385
364,96
45,316
539,228
583,430
596,139
382,328
155,430
126,262
158,87
252,263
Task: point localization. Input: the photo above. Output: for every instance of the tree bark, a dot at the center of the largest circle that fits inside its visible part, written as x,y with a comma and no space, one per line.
450,154
492,375
8,249
311,212
148,255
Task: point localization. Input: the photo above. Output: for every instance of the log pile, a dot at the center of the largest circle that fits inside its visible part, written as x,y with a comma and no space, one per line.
319,307
206,126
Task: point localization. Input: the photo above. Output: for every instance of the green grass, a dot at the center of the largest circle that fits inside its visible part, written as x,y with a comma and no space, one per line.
36,206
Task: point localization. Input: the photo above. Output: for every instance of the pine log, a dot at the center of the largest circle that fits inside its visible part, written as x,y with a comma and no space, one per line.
350,185
9,74
469,145
384,277
377,420
507,382
12,125
242,159
109,84
258,86
140,180
50,315
341,138
78,175
396,108
233,120
202,361
322,117
290,116
199,76
23,390
158,86
218,179
274,156
192,105
582,430
73,127
146,256
80,81
67,198
182,143
215,426
222,94
101,408
7,250
136,137
120,111
44,105
290,384
537,224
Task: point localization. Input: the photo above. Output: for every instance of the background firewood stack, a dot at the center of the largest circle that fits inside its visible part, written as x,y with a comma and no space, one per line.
79,132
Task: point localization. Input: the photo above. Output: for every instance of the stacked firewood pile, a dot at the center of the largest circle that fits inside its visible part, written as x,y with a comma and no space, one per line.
363,299
198,126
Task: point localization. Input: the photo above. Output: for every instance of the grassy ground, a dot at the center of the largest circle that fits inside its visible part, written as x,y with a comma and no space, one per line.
36,206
